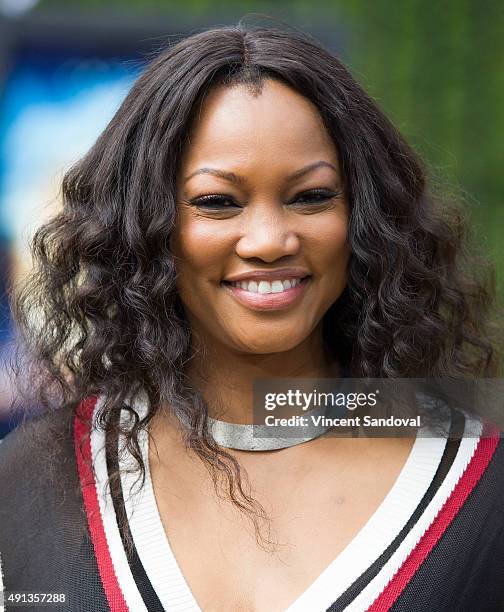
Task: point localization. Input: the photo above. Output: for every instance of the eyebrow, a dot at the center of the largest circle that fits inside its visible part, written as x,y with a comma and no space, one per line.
239,180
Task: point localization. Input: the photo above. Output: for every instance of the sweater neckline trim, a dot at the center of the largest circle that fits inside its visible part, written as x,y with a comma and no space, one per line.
173,590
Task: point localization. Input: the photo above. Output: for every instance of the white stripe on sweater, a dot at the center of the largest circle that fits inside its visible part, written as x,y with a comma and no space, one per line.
468,444
149,535
122,569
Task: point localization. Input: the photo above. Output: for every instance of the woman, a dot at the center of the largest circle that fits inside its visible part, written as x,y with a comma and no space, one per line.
248,213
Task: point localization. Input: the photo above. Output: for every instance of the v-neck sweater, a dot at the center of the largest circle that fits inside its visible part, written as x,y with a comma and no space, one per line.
443,490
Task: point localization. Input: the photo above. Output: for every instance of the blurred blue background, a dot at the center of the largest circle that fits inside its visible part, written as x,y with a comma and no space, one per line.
437,69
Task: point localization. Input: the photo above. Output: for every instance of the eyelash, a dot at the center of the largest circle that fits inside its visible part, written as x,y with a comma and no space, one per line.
206,201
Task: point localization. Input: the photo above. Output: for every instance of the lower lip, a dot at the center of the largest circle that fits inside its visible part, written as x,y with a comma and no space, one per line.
268,301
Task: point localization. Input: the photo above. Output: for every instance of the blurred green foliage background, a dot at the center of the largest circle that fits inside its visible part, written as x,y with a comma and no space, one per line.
436,68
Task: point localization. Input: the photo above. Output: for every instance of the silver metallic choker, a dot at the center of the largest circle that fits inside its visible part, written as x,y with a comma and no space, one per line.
250,437
256,437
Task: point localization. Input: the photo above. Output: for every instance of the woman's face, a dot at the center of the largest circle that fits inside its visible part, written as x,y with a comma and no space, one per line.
261,200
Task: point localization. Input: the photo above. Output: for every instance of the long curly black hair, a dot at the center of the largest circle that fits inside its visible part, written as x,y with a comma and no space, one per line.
100,313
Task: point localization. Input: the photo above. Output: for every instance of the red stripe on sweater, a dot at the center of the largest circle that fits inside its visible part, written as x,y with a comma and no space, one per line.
475,469
108,576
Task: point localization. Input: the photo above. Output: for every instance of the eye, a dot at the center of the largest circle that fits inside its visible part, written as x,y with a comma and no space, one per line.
315,196
214,201
222,202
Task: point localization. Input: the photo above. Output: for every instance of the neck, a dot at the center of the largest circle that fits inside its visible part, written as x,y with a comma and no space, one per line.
225,377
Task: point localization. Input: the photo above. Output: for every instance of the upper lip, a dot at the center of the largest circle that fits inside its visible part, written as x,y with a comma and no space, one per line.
268,275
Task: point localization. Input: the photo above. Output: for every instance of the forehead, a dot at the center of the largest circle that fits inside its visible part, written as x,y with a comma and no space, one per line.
279,123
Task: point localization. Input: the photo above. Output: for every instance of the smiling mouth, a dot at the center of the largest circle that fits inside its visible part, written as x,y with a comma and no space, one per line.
264,287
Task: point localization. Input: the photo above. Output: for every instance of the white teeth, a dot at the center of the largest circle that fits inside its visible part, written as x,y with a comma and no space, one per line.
277,286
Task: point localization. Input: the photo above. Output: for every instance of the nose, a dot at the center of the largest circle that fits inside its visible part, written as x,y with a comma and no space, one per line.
267,234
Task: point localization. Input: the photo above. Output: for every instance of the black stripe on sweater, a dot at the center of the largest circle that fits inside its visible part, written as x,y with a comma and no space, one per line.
140,576
449,454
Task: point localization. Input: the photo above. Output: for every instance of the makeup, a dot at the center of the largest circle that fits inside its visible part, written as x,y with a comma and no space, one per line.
268,301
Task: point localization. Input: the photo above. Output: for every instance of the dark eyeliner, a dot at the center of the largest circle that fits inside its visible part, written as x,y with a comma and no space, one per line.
206,201
326,193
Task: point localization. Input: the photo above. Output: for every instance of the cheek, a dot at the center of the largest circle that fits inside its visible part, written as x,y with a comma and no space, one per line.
329,246
200,251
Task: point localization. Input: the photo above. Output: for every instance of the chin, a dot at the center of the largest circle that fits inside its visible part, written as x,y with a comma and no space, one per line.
268,344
